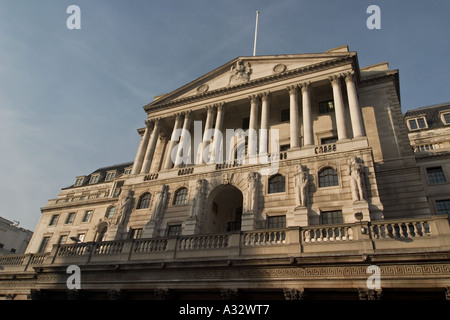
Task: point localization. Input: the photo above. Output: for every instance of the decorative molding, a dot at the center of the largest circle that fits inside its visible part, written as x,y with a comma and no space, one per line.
153,106
203,88
279,68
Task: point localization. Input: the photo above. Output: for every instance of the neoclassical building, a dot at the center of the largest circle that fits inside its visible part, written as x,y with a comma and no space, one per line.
270,177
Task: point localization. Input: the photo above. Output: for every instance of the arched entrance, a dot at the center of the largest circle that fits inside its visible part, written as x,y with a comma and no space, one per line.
223,210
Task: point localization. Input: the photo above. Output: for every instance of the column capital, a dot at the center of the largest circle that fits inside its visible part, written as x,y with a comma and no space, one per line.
293,89
335,79
187,114
349,76
254,97
265,96
211,107
154,120
220,106
305,86
178,116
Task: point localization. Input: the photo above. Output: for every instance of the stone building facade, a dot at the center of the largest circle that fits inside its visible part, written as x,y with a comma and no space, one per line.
13,239
269,177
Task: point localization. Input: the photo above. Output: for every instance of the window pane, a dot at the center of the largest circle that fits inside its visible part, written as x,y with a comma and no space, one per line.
443,207
180,197
277,222
70,218
87,216
331,217
413,124
328,177
328,140
421,122
44,243
326,106
110,212
53,220
144,201
62,239
174,231
277,184
435,175
81,236
447,118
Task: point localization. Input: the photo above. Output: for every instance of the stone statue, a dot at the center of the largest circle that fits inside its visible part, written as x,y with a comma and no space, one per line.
197,202
160,200
252,180
240,72
301,181
356,170
125,204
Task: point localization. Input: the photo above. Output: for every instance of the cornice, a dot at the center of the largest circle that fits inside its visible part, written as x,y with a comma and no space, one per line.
255,83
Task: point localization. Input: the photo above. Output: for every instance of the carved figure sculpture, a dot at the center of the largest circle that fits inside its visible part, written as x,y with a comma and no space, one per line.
356,170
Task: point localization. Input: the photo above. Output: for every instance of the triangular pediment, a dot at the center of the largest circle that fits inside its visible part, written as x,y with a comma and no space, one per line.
243,71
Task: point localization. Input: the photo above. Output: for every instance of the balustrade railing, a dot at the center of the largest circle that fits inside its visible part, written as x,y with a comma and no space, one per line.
149,245
327,233
70,250
390,229
108,248
203,242
264,238
325,148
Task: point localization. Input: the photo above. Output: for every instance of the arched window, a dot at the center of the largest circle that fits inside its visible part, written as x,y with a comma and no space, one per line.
144,201
110,212
328,177
180,196
277,183
102,233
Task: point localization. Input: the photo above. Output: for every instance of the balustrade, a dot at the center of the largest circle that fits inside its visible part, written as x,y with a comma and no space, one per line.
413,229
326,148
264,238
328,233
203,242
108,248
150,245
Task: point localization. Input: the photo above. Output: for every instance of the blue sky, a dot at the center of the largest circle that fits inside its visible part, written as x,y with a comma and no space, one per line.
71,100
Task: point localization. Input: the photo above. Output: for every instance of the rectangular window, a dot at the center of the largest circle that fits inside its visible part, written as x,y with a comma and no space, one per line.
446,118
44,244
127,171
276,222
326,106
110,176
284,147
285,115
54,220
436,175
87,216
135,233
328,140
13,250
331,217
94,179
70,218
417,123
62,239
79,181
443,207
81,237
174,231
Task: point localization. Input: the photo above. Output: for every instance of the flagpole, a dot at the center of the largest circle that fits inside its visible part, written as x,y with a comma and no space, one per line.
256,33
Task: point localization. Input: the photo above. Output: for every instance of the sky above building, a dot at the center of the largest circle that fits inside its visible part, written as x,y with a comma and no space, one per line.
71,99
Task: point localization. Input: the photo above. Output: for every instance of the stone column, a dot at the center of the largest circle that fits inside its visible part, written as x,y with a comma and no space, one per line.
307,119
141,150
184,136
168,163
218,130
264,132
355,110
207,132
339,107
151,146
253,126
293,115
